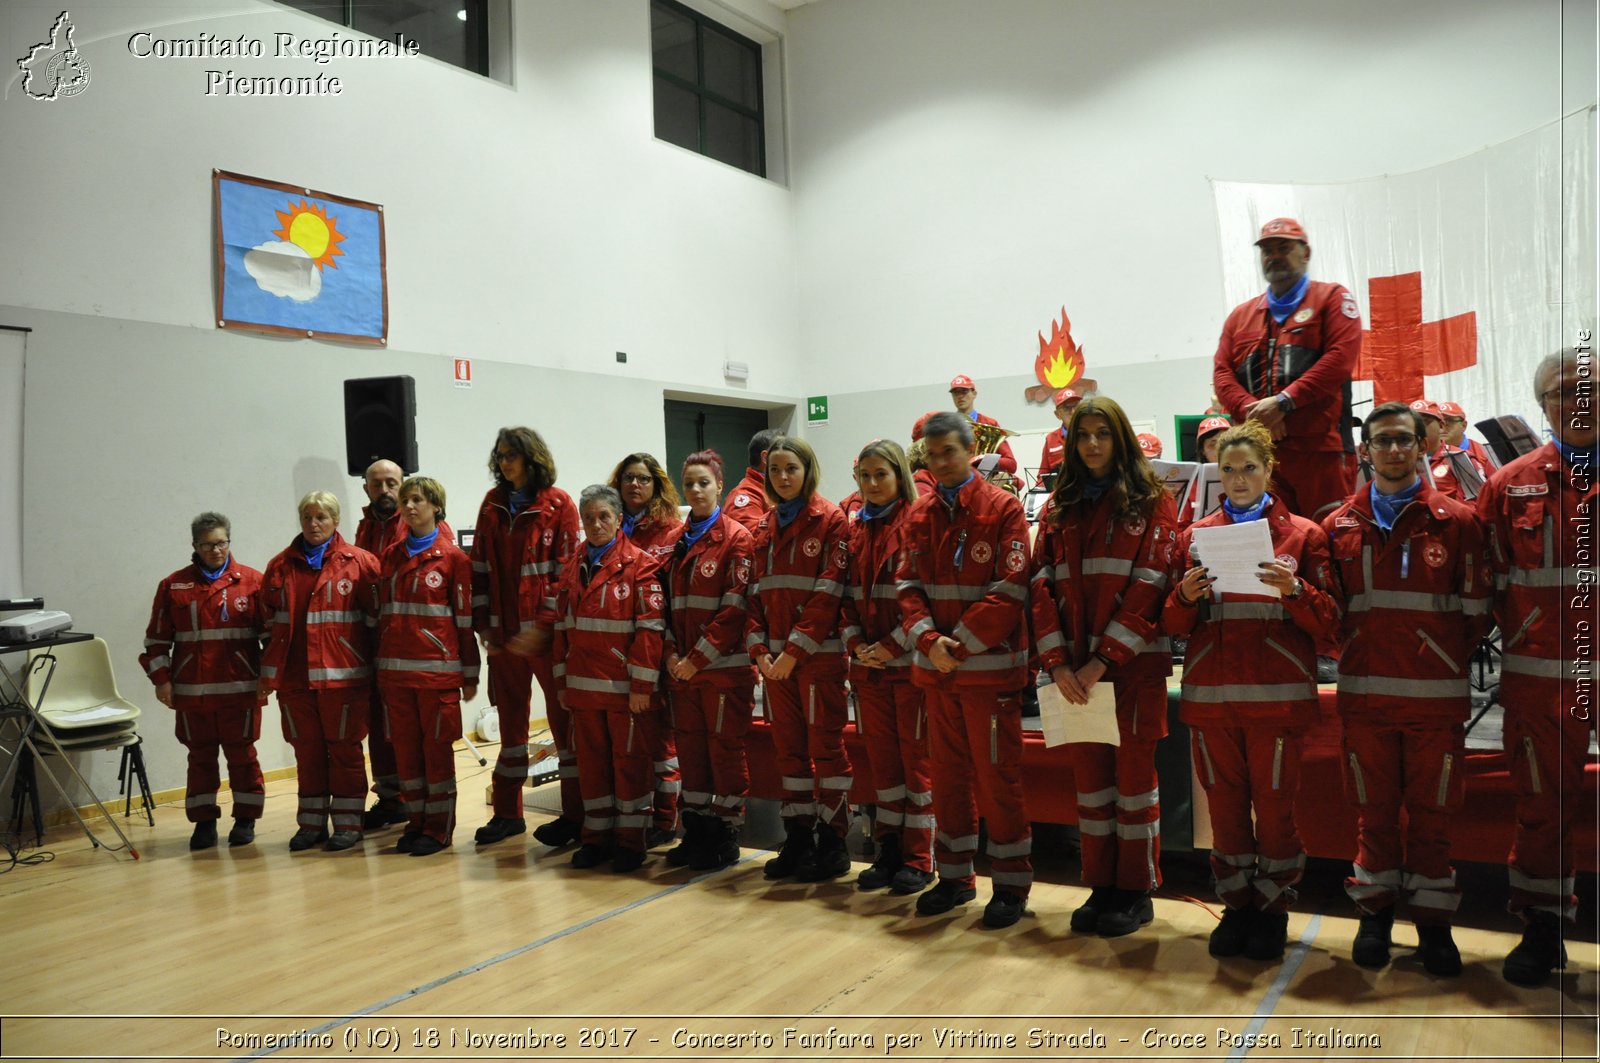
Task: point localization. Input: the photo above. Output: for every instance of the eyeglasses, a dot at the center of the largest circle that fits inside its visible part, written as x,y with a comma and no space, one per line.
1403,441
631,478
1568,396
221,545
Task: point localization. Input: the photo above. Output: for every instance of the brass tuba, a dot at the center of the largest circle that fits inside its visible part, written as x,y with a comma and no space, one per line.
986,439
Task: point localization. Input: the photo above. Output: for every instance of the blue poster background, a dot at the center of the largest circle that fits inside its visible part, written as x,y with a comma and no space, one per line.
351,301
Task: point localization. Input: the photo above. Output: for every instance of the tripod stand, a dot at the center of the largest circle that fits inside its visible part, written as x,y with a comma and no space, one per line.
20,714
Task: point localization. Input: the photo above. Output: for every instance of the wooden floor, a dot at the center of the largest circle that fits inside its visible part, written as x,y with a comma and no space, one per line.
508,952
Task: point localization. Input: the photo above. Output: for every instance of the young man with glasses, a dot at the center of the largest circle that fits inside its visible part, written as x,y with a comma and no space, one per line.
1414,575
1539,512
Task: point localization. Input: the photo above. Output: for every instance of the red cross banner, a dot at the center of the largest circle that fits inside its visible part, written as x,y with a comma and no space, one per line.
1465,273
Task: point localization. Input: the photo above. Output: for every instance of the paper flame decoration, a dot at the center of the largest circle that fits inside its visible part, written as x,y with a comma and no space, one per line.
1060,361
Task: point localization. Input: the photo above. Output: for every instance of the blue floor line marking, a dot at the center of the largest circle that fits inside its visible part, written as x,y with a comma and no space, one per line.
1269,1003
416,991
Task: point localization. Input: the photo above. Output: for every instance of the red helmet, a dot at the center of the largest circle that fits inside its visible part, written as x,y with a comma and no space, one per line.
1452,409
962,380
1428,408
1211,425
1150,445
1283,229
1067,396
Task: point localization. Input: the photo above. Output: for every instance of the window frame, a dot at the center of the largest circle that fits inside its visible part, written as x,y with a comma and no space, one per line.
703,95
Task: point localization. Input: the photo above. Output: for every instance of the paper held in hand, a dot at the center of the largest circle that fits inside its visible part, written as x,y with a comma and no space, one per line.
1232,555
1065,722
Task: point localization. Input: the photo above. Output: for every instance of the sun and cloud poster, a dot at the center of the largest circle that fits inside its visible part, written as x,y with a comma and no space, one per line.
293,261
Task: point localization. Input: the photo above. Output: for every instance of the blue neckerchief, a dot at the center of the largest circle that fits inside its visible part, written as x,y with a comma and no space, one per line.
1245,516
872,512
593,554
520,500
629,520
949,493
415,545
212,574
1095,487
1573,455
313,555
1387,508
788,511
1282,307
693,529
972,415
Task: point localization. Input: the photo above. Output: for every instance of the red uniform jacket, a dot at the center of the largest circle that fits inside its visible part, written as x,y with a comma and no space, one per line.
800,573
870,612
655,537
1098,584
927,483
1311,356
608,629
1444,476
1479,455
319,622
747,502
376,536
708,583
1535,511
516,562
205,639
425,618
964,573
1416,602
1229,678
1055,452
851,504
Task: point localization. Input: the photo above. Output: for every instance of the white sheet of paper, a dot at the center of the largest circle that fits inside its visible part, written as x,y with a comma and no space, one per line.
1065,722
1178,476
1232,555
79,717
988,463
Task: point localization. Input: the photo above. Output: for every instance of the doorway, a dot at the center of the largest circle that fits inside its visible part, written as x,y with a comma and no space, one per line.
693,426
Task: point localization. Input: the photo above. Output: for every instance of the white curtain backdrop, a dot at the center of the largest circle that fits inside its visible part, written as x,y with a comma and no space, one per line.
1507,233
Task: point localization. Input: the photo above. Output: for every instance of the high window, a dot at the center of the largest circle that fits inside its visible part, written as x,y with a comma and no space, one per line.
456,31
707,87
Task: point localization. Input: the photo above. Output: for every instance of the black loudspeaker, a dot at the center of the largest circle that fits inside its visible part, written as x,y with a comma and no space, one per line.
380,421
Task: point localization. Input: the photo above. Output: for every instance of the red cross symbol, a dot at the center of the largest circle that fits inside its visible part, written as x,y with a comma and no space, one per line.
1401,349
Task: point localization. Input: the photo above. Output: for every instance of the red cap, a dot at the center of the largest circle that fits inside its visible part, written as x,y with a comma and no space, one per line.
1452,409
1066,395
1283,229
916,429
1210,425
961,381
1428,408
1150,445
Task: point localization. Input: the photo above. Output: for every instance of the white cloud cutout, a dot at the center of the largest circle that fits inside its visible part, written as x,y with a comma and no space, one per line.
284,269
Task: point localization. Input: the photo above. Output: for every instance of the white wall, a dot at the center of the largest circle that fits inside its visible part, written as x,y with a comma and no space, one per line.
962,170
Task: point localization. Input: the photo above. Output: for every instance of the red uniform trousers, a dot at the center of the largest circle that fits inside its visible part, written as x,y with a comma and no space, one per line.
1416,767
233,729
1548,753
669,778
380,751
975,746
808,714
892,721
512,677
326,727
424,725
1305,481
1245,769
711,724
614,772
1119,801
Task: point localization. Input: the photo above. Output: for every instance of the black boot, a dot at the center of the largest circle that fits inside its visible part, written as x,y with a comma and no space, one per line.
204,836
696,828
1371,948
884,868
1268,936
829,859
1128,910
1538,953
1086,917
721,848
243,832
1438,950
1229,937
797,846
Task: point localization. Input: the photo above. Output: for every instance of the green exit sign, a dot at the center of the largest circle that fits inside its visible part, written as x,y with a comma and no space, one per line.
816,410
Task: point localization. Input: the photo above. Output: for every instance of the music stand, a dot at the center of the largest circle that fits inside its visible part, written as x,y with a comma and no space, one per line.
16,709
